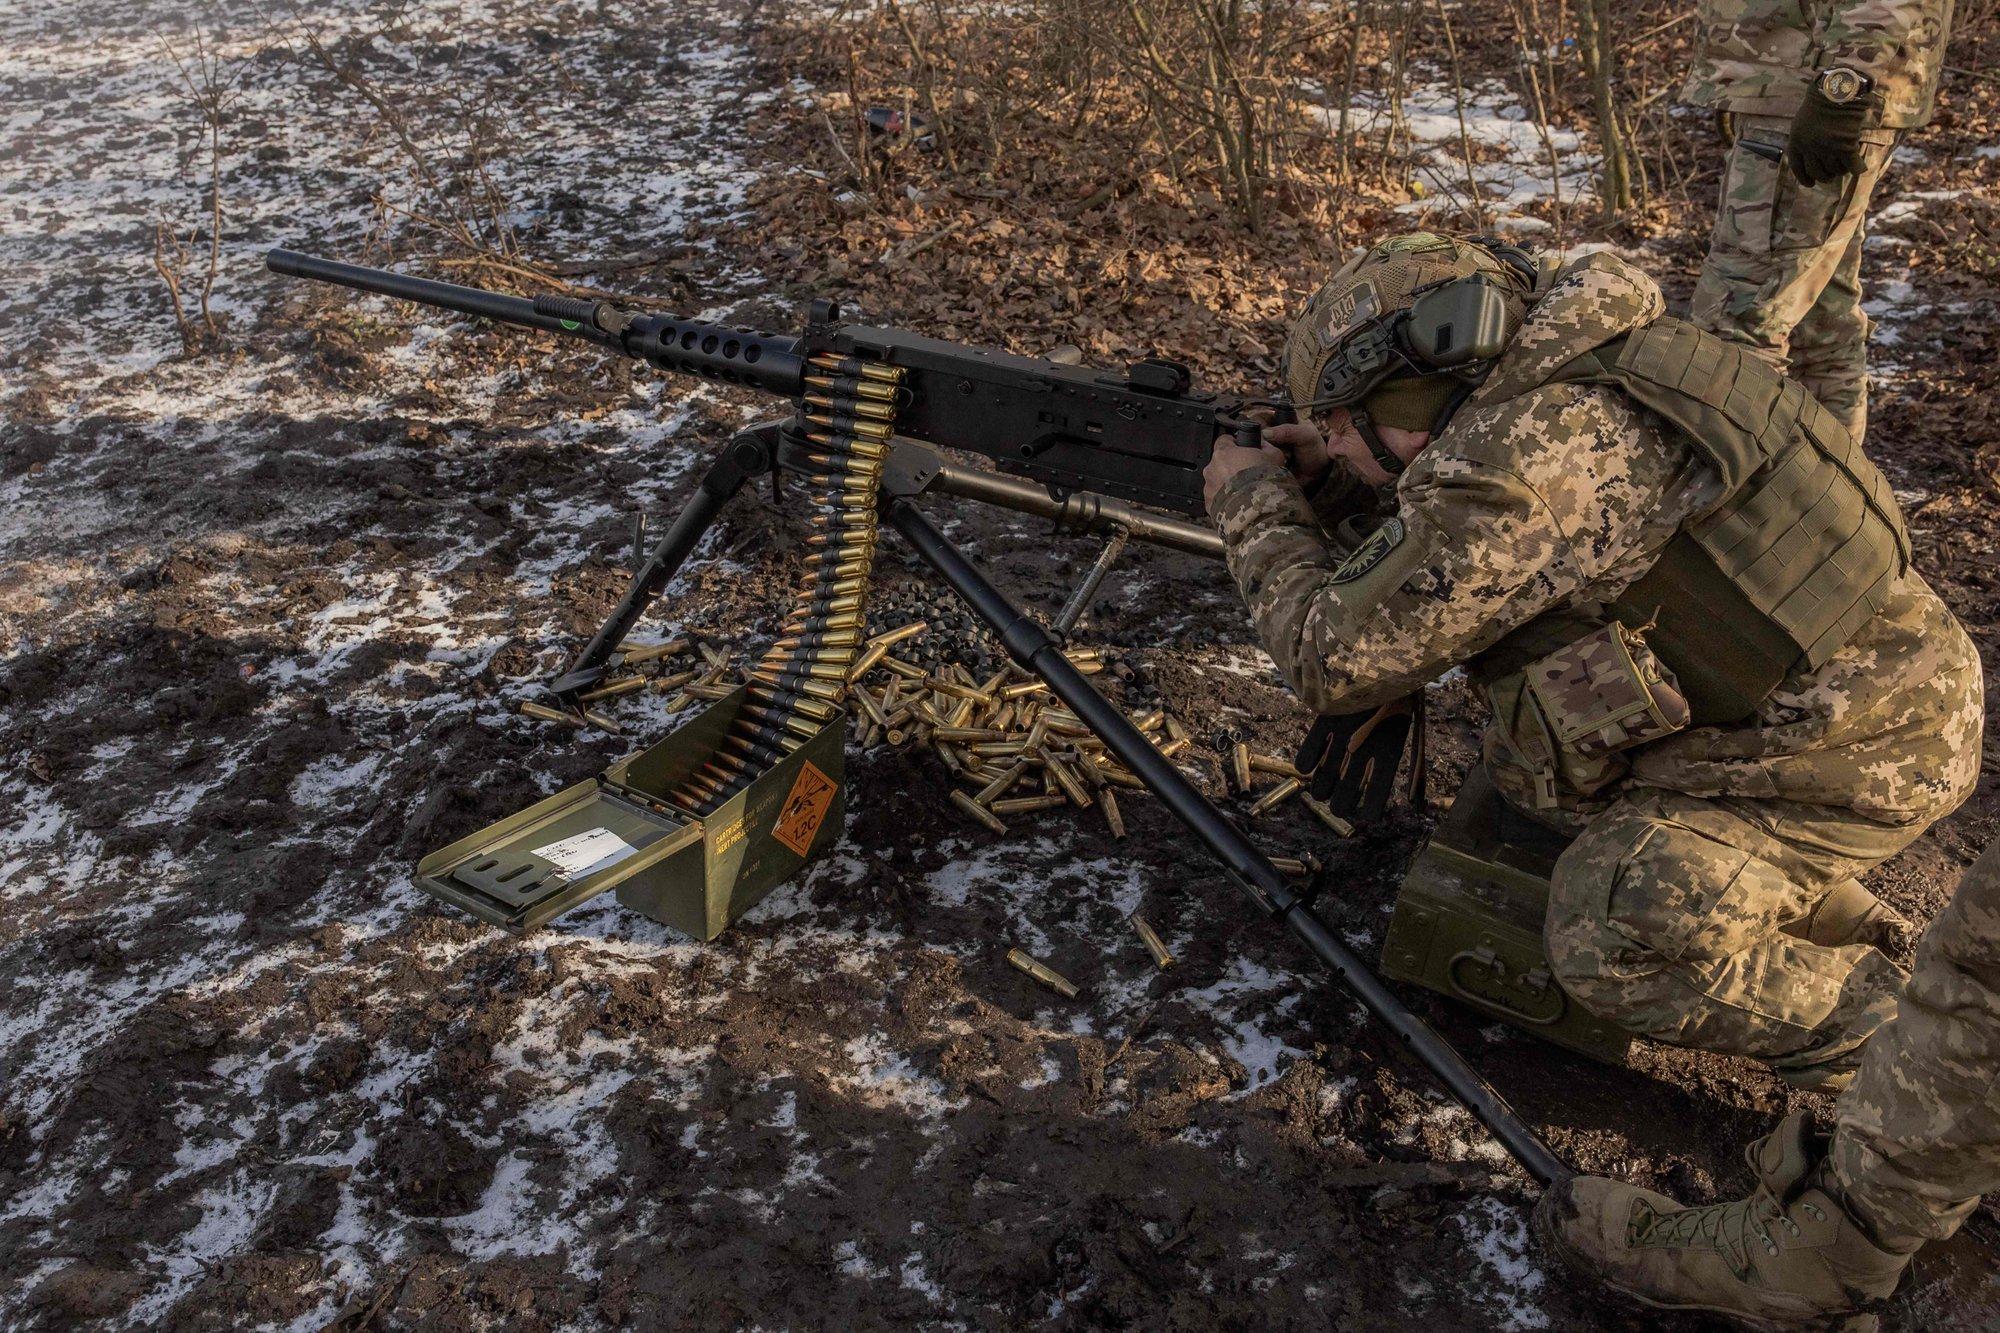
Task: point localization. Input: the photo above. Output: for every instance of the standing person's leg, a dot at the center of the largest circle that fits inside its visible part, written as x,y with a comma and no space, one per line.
1918,1139
1829,351
1777,248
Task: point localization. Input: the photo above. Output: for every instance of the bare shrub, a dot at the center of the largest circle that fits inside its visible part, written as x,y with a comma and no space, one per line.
187,268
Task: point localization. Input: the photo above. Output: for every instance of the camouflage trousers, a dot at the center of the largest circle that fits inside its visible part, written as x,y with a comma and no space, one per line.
1784,267
1918,1135
1681,918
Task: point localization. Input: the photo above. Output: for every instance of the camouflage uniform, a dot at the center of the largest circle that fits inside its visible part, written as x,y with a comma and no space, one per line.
1918,1139
1783,270
1667,915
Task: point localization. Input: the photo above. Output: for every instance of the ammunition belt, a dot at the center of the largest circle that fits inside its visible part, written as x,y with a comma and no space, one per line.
848,415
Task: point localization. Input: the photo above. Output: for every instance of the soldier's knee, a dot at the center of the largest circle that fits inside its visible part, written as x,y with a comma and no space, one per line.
1595,954
1641,909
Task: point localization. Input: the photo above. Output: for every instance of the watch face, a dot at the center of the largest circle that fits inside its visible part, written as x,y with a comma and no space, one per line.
1840,86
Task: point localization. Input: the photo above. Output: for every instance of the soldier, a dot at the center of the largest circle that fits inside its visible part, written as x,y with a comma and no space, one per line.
1686,593
1827,89
1829,1228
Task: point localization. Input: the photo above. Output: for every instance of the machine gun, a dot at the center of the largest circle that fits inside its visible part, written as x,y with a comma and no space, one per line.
866,401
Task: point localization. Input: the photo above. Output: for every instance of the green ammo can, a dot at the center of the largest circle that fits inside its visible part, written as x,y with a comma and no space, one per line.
618,831
1468,922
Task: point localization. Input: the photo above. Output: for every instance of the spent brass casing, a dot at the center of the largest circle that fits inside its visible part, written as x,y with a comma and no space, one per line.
601,722
1172,748
1067,779
869,706
1162,957
866,662
907,670
1270,799
1265,763
662,684
1042,972
900,633
1149,721
626,685
968,735
635,653
978,811
1327,817
529,708
1021,805
1240,757
1023,689
1007,778
1114,818
970,693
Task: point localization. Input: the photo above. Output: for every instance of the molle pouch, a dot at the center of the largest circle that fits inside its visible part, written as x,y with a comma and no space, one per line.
1565,719
1604,693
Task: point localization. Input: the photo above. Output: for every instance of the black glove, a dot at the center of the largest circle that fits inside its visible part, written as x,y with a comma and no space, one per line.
1825,142
1352,759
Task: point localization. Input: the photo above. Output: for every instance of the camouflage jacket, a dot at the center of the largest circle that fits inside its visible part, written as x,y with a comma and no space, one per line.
1754,57
1537,508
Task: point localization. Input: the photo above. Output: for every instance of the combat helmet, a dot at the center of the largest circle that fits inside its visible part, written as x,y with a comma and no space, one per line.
1406,330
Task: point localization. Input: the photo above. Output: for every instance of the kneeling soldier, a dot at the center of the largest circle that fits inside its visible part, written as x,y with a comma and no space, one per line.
1686,593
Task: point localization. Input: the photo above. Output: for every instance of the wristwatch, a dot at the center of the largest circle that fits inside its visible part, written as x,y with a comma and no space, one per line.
1841,86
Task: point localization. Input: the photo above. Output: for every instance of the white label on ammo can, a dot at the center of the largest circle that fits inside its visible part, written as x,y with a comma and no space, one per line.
586,853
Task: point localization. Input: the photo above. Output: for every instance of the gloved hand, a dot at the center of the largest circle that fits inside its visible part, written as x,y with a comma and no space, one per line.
1825,141
1352,759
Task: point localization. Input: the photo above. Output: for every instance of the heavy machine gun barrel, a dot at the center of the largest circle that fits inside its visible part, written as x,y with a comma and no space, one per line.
1142,435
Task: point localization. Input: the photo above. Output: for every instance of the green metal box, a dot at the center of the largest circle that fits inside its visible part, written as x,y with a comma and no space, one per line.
618,831
1468,923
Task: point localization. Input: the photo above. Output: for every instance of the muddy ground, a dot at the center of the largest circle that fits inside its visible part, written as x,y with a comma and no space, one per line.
266,607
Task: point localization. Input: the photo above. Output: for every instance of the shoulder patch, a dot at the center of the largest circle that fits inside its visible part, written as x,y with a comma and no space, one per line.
1371,552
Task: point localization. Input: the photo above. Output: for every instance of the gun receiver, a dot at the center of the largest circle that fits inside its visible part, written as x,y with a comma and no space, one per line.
1144,435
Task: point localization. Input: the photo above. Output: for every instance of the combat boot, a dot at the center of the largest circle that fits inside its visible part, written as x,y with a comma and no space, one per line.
1788,1256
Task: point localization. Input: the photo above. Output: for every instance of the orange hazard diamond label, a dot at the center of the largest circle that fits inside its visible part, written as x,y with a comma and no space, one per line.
804,810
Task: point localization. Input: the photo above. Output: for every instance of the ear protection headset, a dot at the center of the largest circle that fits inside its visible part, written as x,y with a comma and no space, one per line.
1455,329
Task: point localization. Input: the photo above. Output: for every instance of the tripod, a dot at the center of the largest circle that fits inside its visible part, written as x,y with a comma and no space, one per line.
911,471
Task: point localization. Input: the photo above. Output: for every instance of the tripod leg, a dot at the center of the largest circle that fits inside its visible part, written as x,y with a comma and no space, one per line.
742,458
1035,649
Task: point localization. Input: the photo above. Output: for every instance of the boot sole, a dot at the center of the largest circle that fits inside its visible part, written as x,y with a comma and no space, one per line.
1552,1241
